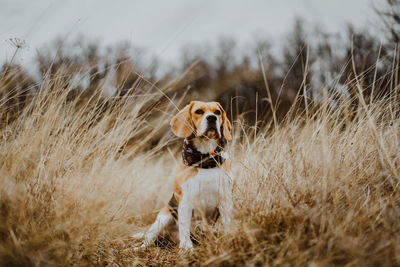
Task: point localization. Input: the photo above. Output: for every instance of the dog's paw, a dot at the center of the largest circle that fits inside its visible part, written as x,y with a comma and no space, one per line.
186,245
140,248
138,235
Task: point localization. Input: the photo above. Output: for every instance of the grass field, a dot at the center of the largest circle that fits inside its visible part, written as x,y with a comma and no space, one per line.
320,188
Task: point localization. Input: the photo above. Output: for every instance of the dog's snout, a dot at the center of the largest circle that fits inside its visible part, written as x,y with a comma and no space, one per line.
211,118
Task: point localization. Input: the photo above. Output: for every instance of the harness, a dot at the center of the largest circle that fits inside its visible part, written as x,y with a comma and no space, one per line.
194,158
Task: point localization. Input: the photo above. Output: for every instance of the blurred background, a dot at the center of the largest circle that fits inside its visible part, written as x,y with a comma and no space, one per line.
252,56
164,28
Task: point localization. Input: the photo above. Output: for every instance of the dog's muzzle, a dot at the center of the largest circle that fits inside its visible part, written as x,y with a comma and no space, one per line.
211,119
212,123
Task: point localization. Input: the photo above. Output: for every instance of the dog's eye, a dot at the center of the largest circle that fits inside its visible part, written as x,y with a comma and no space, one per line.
217,112
199,111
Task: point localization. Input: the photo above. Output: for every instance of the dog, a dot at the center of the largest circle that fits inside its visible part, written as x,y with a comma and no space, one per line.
203,181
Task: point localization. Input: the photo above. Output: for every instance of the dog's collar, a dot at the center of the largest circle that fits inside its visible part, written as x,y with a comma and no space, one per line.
194,158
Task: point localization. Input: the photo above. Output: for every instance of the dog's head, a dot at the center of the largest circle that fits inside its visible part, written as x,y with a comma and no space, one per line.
202,119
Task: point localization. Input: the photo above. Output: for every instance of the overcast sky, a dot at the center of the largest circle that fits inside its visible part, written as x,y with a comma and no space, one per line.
163,27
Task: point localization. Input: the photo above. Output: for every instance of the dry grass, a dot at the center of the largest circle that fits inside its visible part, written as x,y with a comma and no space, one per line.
313,191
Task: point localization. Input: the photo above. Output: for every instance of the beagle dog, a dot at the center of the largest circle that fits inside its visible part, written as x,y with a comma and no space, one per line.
203,181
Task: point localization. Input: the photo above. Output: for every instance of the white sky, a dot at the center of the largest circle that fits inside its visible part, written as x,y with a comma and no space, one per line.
163,27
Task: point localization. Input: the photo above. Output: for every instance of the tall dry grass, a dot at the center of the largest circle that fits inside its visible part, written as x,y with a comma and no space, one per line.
318,189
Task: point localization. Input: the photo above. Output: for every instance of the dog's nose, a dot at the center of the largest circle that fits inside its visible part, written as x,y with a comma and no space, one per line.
211,118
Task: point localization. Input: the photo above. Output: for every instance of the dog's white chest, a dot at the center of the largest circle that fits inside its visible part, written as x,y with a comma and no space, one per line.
206,189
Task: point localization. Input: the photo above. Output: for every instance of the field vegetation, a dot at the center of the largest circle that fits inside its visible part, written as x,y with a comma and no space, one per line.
86,153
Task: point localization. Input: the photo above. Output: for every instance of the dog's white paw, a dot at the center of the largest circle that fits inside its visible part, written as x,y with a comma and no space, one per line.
186,245
140,248
138,235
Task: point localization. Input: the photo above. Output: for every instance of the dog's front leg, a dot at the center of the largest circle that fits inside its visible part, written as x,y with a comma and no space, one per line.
163,220
226,205
184,219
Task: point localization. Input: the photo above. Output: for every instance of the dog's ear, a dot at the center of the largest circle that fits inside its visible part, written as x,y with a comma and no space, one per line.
181,123
226,125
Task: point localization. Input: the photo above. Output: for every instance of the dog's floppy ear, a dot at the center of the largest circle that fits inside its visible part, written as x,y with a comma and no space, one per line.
181,123
226,125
